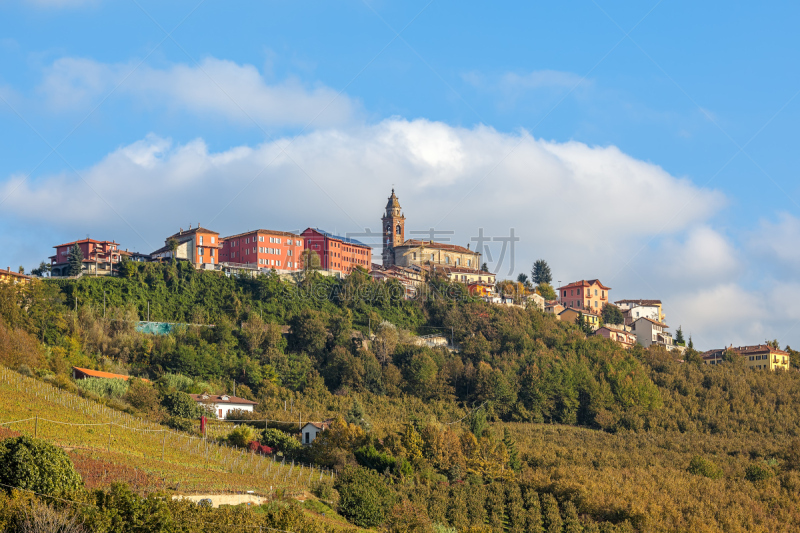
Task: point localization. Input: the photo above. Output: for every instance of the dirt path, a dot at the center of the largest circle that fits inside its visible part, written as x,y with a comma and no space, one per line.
223,499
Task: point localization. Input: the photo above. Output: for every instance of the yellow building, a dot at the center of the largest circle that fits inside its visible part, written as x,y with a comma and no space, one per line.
761,356
9,276
571,315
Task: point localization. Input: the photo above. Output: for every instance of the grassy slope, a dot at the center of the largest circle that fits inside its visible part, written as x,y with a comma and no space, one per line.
188,465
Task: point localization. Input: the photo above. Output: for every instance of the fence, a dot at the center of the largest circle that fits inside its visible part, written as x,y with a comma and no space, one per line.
186,461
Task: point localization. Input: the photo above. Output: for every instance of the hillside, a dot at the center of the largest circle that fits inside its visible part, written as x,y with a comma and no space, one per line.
529,426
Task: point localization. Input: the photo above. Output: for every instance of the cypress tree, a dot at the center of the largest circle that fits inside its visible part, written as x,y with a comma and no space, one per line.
541,272
550,514
572,524
75,260
513,453
534,511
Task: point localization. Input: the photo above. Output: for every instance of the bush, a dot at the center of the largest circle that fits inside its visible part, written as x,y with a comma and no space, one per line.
36,465
364,496
181,424
142,395
700,466
241,436
181,405
280,441
758,472
323,489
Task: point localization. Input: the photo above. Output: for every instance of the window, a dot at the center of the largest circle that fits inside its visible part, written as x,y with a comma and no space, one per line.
469,262
447,259
212,240
254,249
595,292
201,239
308,437
596,303
211,252
260,238
288,252
200,251
432,257
398,229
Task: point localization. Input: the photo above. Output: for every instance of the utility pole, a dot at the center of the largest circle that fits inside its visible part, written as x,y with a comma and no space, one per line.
104,304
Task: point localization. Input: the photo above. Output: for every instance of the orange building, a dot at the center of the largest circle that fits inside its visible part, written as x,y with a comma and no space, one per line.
584,294
263,248
99,257
9,276
338,254
199,246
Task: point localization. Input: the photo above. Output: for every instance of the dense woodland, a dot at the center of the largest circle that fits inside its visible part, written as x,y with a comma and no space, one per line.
529,425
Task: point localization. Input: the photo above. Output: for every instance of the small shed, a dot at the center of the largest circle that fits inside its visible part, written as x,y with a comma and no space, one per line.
312,429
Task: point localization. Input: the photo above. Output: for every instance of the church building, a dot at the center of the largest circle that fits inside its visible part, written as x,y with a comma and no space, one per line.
413,252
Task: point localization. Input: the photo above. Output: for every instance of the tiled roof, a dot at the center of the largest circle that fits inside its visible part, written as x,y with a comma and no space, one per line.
223,398
348,240
268,231
191,231
413,243
101,374
320,425
10,272
585,283
656,322
86,241
743,350
640,302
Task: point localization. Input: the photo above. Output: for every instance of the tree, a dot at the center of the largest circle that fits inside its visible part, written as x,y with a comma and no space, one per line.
679,340
485,267
173,244
550,514
21,269
513,454
364,496
242,436
523,278
308,332
357,416
309,260
691,344
75,260
277,439
181,405
41,270
612,315
36,465
546,291
541,272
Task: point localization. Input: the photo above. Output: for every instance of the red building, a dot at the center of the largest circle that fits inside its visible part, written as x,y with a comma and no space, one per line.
99,257
263,248
584,294
338,254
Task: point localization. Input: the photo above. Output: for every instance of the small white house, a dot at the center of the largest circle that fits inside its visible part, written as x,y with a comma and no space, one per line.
312,429
223,404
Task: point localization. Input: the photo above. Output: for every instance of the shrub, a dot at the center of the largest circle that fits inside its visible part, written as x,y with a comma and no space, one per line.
181,424
142,395
36,465
371,458
181,405
408,518
280,441
758,472
364,496
323,489
700,466
241,436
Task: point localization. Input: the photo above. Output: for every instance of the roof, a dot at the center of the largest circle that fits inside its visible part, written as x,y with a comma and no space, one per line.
393,202
640,302
581,311
220,398
10,272
198,229
271,232
656,322
743,350
319,425
86,241
437,245
616,328
465,270
585,283
348,240
101,374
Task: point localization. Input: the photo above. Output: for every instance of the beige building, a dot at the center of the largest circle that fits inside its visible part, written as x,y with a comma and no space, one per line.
761,356
401,252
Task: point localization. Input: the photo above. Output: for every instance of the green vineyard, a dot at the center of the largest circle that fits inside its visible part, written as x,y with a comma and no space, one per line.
115,446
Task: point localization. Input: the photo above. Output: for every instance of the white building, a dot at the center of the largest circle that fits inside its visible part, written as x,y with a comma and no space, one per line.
221,405
310,431
649,332
636,309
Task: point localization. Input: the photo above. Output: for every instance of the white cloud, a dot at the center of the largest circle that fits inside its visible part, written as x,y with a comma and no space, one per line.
704,256
214,87
775,244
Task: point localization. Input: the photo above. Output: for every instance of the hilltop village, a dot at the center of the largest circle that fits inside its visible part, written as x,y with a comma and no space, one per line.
410,262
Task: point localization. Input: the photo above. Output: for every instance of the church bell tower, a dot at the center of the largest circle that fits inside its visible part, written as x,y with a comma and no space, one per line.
394,229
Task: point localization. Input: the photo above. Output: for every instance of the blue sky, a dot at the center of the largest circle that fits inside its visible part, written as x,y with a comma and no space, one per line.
645,143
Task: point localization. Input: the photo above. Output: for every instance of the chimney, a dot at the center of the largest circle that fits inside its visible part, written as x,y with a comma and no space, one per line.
190,225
